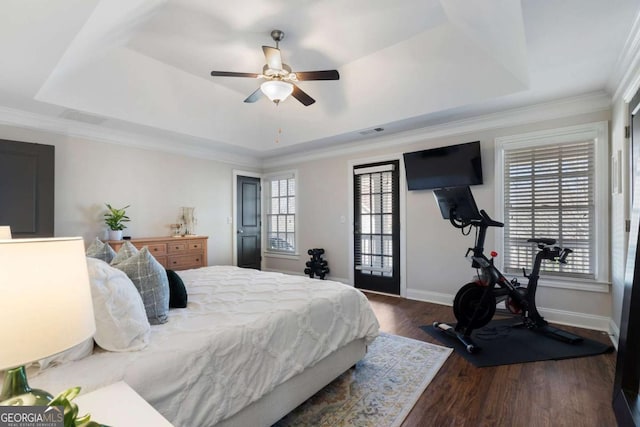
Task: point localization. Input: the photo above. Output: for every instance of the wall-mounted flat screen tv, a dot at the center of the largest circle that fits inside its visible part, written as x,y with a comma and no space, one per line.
451,166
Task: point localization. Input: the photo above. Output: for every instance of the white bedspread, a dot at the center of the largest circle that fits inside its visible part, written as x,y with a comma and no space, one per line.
243,333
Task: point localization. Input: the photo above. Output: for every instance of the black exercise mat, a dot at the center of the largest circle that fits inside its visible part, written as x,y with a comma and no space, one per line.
502,344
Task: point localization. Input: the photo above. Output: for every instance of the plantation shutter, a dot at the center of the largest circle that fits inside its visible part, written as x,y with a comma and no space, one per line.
281,214
549,191
373,245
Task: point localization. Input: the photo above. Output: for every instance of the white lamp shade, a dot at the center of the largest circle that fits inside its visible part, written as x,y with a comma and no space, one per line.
5,232
45,298
276,90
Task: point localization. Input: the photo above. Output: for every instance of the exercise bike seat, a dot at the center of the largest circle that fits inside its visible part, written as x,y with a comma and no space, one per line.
543,241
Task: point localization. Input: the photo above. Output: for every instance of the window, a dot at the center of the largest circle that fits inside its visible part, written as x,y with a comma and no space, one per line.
281,213
551,188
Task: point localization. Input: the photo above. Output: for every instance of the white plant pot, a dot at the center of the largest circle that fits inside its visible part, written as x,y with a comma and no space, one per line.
115,234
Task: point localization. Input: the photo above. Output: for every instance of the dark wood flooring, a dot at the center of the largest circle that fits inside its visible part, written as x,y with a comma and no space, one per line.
572,392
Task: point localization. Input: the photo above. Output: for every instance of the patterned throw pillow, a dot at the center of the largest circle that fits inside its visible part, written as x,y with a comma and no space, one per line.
151,281
127,250
100,250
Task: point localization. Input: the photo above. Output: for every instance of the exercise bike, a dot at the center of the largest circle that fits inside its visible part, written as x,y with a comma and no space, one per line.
475,303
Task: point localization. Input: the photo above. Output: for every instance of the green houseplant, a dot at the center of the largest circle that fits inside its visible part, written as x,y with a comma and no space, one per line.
115,219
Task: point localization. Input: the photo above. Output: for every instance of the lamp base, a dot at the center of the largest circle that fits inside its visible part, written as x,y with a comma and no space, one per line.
16,390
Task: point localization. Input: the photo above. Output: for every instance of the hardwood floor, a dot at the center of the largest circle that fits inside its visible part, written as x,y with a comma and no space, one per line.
572,392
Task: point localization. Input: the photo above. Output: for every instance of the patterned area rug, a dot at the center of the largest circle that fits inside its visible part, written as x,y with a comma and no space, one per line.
379,392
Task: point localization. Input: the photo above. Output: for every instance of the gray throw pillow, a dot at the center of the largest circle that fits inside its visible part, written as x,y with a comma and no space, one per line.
100,250
127,250
150,279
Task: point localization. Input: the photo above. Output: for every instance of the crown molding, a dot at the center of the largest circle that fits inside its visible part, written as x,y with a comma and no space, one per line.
565,107
60,126
625,79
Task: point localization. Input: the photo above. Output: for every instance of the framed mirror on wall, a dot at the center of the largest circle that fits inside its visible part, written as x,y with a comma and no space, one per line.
626,390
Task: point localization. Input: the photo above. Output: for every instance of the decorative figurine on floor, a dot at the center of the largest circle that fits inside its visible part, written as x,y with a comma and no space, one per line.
316,266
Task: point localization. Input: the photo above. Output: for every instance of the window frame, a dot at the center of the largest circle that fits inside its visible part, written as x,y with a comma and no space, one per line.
267,180
598,132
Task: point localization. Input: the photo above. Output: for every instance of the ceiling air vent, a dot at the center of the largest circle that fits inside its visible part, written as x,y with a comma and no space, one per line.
82,117
370,131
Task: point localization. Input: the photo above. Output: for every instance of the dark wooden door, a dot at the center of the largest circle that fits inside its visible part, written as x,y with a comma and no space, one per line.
377,227
248,222
626,389
27,188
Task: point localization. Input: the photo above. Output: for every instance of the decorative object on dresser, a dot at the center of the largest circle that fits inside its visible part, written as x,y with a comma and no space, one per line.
43,311
175,253
188,222
115,220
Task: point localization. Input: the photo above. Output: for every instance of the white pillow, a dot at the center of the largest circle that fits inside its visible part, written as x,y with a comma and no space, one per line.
77,352
121,320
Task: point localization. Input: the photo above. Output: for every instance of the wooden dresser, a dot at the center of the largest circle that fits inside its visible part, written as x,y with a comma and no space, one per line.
174,253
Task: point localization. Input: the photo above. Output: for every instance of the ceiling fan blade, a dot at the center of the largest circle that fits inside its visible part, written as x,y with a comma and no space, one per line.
274,59
233,74
318,75
254,96
302,96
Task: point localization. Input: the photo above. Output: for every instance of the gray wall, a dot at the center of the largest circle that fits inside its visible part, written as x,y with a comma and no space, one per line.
435,267
156,184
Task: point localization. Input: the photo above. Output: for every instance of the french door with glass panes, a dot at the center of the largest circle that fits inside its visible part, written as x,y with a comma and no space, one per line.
377,227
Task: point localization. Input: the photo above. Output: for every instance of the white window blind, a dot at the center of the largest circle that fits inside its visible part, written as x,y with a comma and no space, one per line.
281,214
549,191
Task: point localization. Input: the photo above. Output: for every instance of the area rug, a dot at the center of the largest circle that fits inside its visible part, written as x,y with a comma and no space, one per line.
380,391
502,344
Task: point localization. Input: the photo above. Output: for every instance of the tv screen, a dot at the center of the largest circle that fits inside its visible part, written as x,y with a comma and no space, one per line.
451,166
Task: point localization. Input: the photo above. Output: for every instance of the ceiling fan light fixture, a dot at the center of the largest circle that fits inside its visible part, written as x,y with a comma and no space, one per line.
276,90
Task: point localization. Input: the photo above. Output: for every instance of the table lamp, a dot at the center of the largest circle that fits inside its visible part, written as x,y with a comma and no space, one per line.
45,308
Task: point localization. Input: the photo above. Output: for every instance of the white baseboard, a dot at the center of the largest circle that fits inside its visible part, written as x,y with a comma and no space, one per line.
428,296
614,333
562,317
573,318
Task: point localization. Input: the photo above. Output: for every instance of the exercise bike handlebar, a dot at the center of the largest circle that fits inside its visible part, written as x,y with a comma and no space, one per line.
488,221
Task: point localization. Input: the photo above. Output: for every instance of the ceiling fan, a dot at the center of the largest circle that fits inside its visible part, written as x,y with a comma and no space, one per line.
280,80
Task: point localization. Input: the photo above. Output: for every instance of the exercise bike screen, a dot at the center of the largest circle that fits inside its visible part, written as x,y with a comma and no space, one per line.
458,200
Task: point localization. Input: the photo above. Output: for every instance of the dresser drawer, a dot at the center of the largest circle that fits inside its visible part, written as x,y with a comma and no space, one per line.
162,259
183,262
195,246
178,247
157,249
174,253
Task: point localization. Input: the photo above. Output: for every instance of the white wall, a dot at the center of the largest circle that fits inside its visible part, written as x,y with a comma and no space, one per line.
156,184
434,250
619,212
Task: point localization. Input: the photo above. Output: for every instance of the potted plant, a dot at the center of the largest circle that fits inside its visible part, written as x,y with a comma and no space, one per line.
115,220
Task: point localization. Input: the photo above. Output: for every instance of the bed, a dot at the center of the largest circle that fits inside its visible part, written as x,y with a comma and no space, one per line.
249,347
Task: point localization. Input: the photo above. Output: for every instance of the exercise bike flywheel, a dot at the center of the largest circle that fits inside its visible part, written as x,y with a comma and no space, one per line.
469,307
